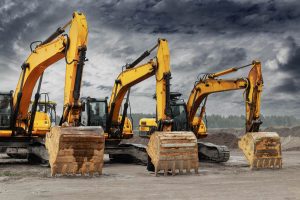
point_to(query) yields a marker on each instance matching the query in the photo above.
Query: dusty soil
(233, 180)
(290, 137)
(222, 138)
(284, 132)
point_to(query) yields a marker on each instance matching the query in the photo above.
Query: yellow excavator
(71, 150)
(45, 117)
(167, 149)
(262, 149)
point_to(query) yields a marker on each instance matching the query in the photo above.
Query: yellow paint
(44, 56)
(5, 133)
(42, 123)
(130, 77)
(262, 149)
(146, 125)
(198, 127)
(127, 128)
(213, 85)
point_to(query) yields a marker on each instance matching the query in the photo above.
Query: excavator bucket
(262, 149)
(75, 150)
(173, 151)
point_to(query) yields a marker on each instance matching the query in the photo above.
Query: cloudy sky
(204, 36)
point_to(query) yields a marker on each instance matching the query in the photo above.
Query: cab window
(5, 110)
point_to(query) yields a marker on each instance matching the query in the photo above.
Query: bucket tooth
(75, 150)
(174, 152)
(262, 150)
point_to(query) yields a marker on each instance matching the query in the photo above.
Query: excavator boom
(73, 149)
(167, 149)
(262, 149)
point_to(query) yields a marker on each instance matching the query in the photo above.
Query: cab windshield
(97, 113)
(178, 110)
(179, 117)
(5, 110)
(46, 107)
(49, 108)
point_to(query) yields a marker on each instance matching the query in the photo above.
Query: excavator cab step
(262, 150)
(173, 151)
(75, 150)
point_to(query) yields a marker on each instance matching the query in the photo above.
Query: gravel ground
(233, 180)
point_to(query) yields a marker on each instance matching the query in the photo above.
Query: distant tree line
(233, 121)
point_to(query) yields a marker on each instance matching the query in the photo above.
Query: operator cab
(46, 106)
(178, 112)
(5, 110)
(94, 112)
(49, 108)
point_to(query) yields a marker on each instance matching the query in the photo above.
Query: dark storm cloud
(231, 57)
(204, 36)
(201, 62)
(122, 52)
(105, 87)
(138, 93)
(20, 19)
(291, 84)
(86, 84)
(290, 106)
(193, 16)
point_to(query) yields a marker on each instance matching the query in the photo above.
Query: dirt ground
(233, 180)
(290, 137)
